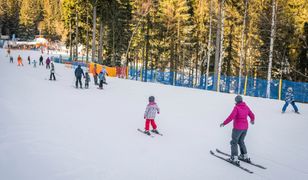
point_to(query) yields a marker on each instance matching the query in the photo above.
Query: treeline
(259, 38)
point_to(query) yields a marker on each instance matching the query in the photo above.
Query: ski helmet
(151, 99)
(290, 89)
(238, 99)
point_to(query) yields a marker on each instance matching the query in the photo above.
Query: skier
(78, 74)
(34, 63)
(47, 63)
(102, 78)
(8, 52)
(289, 100)
(52, 72)
(11, 59)
(149, 115)
(41, 61)
(87, 80)
(19, 60)
(240, 127)
(29, 61)
(95, 74)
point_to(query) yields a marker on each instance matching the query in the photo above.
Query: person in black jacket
(52, 72)
(78, 74)
(41, 61)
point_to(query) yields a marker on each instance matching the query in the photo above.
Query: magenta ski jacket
(239, 116)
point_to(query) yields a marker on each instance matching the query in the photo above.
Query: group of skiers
(238, 115)
(101, 77)
(49, 64)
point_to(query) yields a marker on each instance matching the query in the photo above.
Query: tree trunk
(71, 44)
(217, 47)
(242, 48)
(87, 39)
(221, 51)
(209, 48)
(269, 73)
(147, 47)
(77, 32)
(101, 34)
(94, 32)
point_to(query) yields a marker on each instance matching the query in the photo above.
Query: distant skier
(29, 60)
(102, 78)
(87, 80)
(52, 72)
(48, 63)
(41, 61)
(34, 63)
(289, 100)
(95, 74)
(19, 60)
(240, 127)
(149, 115)
(8, 52)
(78, 74)
(11, 59)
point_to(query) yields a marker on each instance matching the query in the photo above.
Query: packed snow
(50, 130)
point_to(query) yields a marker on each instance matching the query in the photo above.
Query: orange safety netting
(112, 71)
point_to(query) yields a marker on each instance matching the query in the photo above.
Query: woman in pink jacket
(240, 127)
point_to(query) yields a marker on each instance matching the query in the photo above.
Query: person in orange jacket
(19, 60)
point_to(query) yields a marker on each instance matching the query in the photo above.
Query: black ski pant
(86, 84)
(52, 75)
(41, 63)
(78, 79)
(95, 79)
(238, 137)
(101, 82)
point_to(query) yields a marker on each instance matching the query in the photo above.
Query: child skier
(29, 61)
(149, 115)
(289, 100)
(102, 78)
(52, 72)
(48, 63)
(34, 63)
(87, 80)
(19, 60)
(240, 127)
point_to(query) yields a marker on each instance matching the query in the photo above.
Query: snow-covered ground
(52, 131)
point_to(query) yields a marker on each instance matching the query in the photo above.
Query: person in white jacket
(149, 115)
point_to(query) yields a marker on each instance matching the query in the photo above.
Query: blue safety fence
(228, 84)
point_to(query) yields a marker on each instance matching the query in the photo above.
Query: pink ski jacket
(239, 116)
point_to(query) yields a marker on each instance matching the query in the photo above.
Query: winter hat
(290, 89)
(79, 66)
(238, 99)
(151, 99)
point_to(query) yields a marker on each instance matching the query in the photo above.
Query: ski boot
(155, 131)
(147, 133)
(234, 160)
(297, 112)
(244, 157)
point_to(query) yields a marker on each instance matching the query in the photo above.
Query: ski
(145, 133)
(251, 163)
(158, 133)
(227, 160)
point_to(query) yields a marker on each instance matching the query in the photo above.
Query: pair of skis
(151, 135)
(229, 161)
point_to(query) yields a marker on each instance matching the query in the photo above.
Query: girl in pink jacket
(149, 115)
(240, 127)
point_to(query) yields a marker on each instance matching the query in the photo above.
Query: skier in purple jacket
(240, 127)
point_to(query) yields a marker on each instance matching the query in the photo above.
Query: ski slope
(52, 131)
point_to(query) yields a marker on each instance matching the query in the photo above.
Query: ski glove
(252, 122)
(222, 125)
